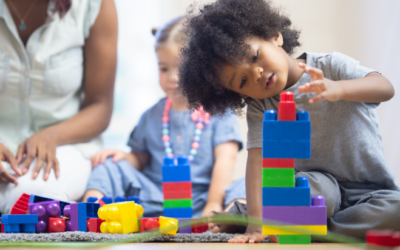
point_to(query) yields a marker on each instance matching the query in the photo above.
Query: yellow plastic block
(120, 218)
(168, 225)
(285, 230)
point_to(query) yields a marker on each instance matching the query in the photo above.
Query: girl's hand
(42, 146)
(215, 207)
(323, 87)
(253, 235)
(101, 156)
(6, 155)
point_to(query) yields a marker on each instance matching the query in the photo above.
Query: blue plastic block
(176, 173)
(286, 130)
(12, 228)
(298, 196)
(136, 199)
(37, 198)
(79, 209)
(298, 149)
(91, 209)
(186, 212)
(19, 219)
(119, 199)
(92, 199)
(28, 228)
(107, 200)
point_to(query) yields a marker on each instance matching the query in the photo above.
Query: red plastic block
(385, 238)
(287, 107)
(2, 228)
(21, 206)
(56, 225)
(102, 203)
(182, 194)
(199, 228)
(93, 225)
(278, 163)
(177, 186)
(148, 224)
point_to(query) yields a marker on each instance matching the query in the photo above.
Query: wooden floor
(209, 246)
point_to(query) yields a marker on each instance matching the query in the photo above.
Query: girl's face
(264, 75)
(168, 65)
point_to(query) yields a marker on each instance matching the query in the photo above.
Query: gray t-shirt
(345, 136)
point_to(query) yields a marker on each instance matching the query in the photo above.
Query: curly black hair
(216, 37)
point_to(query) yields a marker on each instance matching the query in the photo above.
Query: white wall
(367, 30)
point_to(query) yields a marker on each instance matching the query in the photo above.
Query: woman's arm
(225, 158)
(100, 53)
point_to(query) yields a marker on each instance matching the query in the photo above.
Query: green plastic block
(278, 182)
(278, 172)
(178, 203)
(294, 239)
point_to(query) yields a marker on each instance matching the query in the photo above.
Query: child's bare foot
(252, 235)
(216, 227)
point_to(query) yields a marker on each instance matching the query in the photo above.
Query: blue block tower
(287, 136)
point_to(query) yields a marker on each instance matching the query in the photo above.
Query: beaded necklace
(198, 116)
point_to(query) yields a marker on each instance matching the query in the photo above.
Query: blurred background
(367, 30)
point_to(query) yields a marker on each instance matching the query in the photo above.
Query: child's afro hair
(216, 37)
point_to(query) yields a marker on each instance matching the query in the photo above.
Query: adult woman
(57, 70)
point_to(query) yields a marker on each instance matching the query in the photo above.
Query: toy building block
(93, 225)
(56, 225)
(120, 217)
(278, 182)
(298, 215)
(168, 225)
(286, 196)
(136, 199)
(199, 227)
(107, 200)
(16, 223)
(79, 213)
(2, 228)
(177, 186)
(299, 129)
(37, 199)
(384, 238)
(300, 149)
(44, 210)
(287, 107)
(68, 225)
(278, 172)
(91, 199)
(119, 199)
(181, 172)
(21, 206)
(182, 194)
(278, 163)
(294, 230)
(185, 212)
(178, 203)
(149, 224)
(184, 229)
(295, 239)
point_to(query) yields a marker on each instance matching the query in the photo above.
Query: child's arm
(137, 160)
(225, 157)
(373, 88)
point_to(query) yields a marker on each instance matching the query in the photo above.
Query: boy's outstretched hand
(101, 156)
(323, 87)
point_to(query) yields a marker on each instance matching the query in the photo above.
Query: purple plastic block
(67, 225)
(44, 210)
(296, 215)
(67, 211)
(318, 200)
(185, 230)
(74, 217)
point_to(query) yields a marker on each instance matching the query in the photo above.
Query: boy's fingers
(315, 86)
(319, 97)
(118, 157)
(313, 72)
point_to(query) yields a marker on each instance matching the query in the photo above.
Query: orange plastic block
(120, 217)
(148, 224)
(278, 163)
(168, 225)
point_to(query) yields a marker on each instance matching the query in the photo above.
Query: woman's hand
(101, 156)
(6, 155)
(42, 146)
(323, 87)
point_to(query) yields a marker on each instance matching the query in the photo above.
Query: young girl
(169, 128)
(239, 53)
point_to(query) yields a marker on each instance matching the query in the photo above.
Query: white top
(41, 84)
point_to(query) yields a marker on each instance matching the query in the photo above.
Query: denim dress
(114, 179)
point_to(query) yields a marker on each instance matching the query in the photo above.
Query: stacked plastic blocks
(287, 136)
(177, 188)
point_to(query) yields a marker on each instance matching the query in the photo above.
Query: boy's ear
(279, 39)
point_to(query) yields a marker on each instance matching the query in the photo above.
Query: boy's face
(264, 75)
